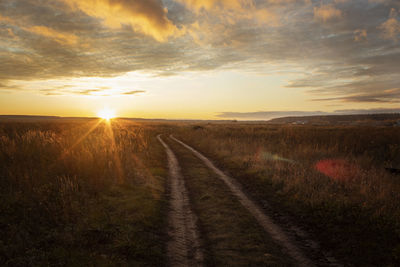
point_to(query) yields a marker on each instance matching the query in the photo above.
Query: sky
(199, 59)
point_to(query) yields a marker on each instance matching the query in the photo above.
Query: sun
(106, 114)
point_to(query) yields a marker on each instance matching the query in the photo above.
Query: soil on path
(184, 246)
(263, 219)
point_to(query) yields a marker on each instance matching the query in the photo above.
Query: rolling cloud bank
(341, 50)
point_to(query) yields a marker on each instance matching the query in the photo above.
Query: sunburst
(106, 114)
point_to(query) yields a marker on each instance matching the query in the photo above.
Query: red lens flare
(337, 169)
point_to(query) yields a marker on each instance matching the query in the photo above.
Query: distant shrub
(198, 127)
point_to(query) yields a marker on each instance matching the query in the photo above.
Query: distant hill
(24, 118)
(27, 117)
(362, 119)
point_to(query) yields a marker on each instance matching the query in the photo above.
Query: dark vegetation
(360, 119)
(84, 192)
(332, 180)
(231, 235)
(81, 192)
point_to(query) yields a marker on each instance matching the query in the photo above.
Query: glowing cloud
(62, 38)
(145, 16)
(360, 35)
(326, 13)
(212, 4)
(48, 32)
(232, 11)
(391, 27)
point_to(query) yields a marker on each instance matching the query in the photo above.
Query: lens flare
(338, 169)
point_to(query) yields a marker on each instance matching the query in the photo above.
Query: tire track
(274, 230)
(184, 246)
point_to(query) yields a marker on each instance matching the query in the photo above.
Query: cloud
(6, 19)
(326, 13)
(267, 115)
(88, 91)
(81, 87)
(284, 2)
(360, 35)
(50, 92)
(9, 88)
(368, 111)
(391, 27)
(145, 16)
(353, 59)
(59, 37)
(231, 12)
(237, 5)
(384, 96)
(217, 4)
(133, 92)
(101, 91)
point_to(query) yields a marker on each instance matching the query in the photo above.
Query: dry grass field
(84, 192)
(332, 180)
(81, 192)
(200, 133)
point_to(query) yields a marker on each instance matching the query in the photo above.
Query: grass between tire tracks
(232, 236)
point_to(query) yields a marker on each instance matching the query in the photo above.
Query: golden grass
(331, 177)
(63, 186)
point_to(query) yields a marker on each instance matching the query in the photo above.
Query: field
(332, 180)
(81, 192)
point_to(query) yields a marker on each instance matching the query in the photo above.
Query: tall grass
(68, 188)
(331, 178)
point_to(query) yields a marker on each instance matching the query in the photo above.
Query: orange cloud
(7, 20)
(62, 38)
(391, 27)
(230, 4)
(288, 1)
(211, 4)
(145, 16)
(232, 11)
(326, 13)
(360, 35)
(10, 32)
(226, 14)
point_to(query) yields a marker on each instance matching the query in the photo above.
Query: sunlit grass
(335, 178)
(64, 184)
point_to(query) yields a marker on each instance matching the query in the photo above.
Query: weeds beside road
(84, 191)
(331, 179)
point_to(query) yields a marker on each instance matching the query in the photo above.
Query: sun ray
(117, 160)
(77, 142)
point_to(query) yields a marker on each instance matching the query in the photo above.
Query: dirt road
(273, 229)
(184, 247)
(230, 232)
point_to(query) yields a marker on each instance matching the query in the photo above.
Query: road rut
(274, 230)
(184, 247)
